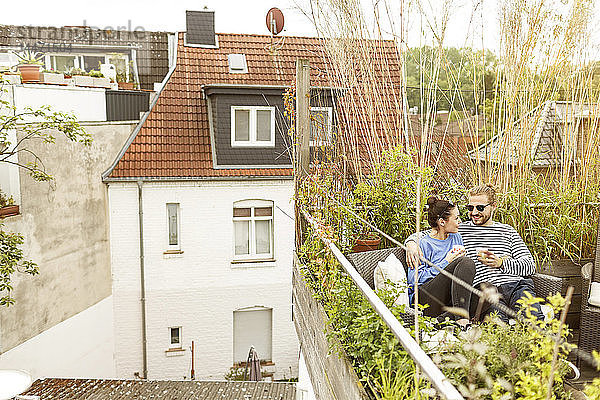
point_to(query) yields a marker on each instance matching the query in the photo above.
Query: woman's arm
(413, 252)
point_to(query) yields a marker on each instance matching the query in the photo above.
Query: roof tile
(177, 127)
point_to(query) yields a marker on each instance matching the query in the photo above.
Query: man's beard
(482, 220)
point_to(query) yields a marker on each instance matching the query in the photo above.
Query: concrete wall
(331, 374)
(199, 289)
(65, 225)
(79, 347)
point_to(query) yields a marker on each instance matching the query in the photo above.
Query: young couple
(481, 252)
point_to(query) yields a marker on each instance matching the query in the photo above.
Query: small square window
(252, 126)
(175, 337)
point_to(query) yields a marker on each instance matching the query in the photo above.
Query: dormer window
(252, 126)
(237, 64)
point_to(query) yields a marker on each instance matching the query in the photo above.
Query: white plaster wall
(88, 104)
(199, 289)
(304, 388)
(79, 347)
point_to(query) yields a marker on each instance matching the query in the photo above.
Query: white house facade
(196, 287)
(201, 211)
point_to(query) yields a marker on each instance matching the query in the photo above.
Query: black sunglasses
(479, 207)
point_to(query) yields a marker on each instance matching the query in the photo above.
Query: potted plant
(366, 241)
(7, 206)
(29, 66)
(81, 78)
(98, 79)
(53, 77)
(123, 82)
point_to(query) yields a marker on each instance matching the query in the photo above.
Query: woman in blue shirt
(443, 247)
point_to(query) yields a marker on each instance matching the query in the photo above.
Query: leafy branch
(32, 125)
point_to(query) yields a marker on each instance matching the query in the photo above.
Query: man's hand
(413, 254)
(488, 258)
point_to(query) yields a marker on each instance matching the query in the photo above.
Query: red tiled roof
(175, 139)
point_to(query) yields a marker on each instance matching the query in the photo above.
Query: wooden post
(303, 116)
(302, 139)
(193, 373)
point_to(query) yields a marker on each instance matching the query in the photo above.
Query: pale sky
(231, 16)
(248, 16)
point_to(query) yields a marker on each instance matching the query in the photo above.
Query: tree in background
(465, 80)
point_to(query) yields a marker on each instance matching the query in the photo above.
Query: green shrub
(555, 224)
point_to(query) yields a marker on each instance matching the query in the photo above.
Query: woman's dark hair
(436, 209)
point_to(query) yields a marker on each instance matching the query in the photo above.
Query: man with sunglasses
(501, 257)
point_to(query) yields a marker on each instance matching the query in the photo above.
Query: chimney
(200, 28)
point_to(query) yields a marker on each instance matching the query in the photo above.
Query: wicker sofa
(589, 334)
(366, 262)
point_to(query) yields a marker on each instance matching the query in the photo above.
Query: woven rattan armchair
(366, 262)
(589, 335)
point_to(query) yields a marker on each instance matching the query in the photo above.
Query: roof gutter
(137, 129)
(199, 178)
(236, 86)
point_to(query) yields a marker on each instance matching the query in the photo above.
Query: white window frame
(168, 242)
(327, 140)
(253, 204)
(79, 61)
(252, 142)
(176, 345)
(51, 64)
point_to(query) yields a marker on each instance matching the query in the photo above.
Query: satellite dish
(13, 382)
(274, 20)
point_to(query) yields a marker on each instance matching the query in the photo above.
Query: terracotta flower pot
(364, 244)
(29, 73)
(8, 211)
(126, 85)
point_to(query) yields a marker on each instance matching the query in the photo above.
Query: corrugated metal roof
(97, 389)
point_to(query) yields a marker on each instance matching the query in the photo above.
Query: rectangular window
(252, 126)
(93, 62)
(175, 337)
(242, 125)
(252, 327)
(320, 125)
(87, 62)
(121, 63)
(63, 63)
(253, 229)
(173, 225)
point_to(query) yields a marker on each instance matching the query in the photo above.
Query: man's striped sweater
(501, 239)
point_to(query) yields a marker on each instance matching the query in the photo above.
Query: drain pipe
(142, 281)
